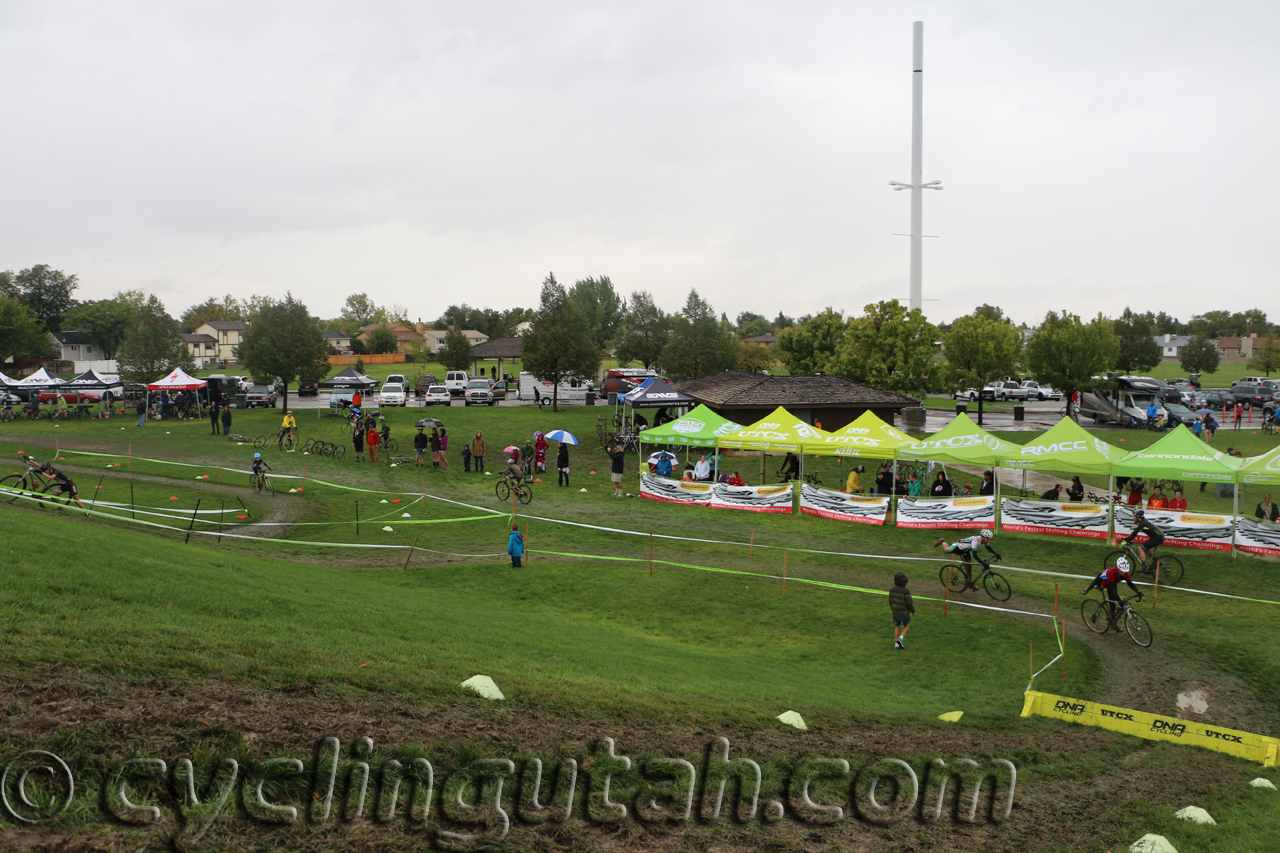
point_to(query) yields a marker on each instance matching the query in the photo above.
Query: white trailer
(572, 390)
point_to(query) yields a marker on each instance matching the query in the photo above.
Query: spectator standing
(164, 405)
(515, 545)
(619, 458)
(374, 440)
(901, 607)
(1266, 510)
(356, 400)
(1179, 503)
(988, 487)
(213, 417)
(1137, 488)
(357, 440)
(915, 485)
(1197, 427)
(419, 448)
(444, 449)
(854, 484)
(435, 447)
(540, 446)
(562, 464)
(226, 420)
(1075, 492)
(477, 452)
(1236, 415)
(1210, 427)
(142, 410)
(466, 458)
(942, 486)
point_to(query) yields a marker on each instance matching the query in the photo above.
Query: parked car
(1040, 392)
(51, 396)
(456, 381)
(969, 394)
(478, 393)
(393, 393)
(1250, 380)
(1004, 391)
(1218, 399)
(1178, 414)
(423, 382)
(437, 395)
(1257, 395)
(263, 396)
(309, 390)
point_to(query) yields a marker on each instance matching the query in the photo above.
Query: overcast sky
(1095, 154)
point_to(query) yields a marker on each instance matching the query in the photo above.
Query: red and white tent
(178, 380)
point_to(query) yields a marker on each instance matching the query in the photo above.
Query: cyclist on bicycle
(260, 467)
(65, 485)
(967, 549)
(1109, 581)
(1155, 537)
(515, 471)
(289, 425)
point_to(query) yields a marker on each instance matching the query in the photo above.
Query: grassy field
(121, 641)
(1221, 378)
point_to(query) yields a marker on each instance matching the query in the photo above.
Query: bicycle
(238, 438)
(6, 414)
(286, 441)
(15, 485)
(1094, 497)
(261, 442)
(1099, 617)
(53, 497)
(508, 486)
(262, 482)
(390, 445)
(993, 582)
(1170, 567)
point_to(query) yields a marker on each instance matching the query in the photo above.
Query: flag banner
(676, 491)
(1059, 519)
(946, 513)
(1257, 537)
(1203, 530)
(842, 507)
(754, 498)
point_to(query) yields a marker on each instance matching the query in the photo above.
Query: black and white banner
(1257, 537)
(1186, 529)
(754, 498)
(947, 513)
(1060, 519)
(842, 507)
(676, 491)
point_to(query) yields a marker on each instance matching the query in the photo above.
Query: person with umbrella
(661, 462)
(562, 464)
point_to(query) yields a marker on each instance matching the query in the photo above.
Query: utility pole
(917, 184)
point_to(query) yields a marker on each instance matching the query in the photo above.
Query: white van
(570, 390)
(393, 393)
(456, 381)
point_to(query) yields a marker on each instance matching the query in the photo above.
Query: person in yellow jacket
(289, 425)
(854, 484)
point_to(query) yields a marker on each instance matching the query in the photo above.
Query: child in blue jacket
(515, 546)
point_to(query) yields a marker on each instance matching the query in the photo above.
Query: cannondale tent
(1179, 456)
(961, 442)
(867, 437)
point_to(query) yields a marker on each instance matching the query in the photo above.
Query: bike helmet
(1123, 564)
(987, 534)
(45, 466)
(257, 456)
(1137, 513)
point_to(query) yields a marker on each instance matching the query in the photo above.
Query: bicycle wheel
(1139, 631)
(253, 483)
(51, 498)
(1170, 570)
(290, 443)
(14, 485)
(955, 574)
(310, 446)
(996, 586)
(524, 493)
(339, 451)
(391, 445)
(261, 442)
(502, 490)
(268, 486)
(1094, 613)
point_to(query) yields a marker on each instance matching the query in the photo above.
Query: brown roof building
(502, 349)
(830, 400)
(764, 340)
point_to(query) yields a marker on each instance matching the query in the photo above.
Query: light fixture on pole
(917, 182)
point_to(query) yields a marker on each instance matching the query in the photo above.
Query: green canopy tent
(867, 436)
(1262, 470)
(698, 428)
(779, 430)
(1181, 455)
(961, 442)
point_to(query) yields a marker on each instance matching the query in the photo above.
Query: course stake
(651, 554)
(193, 521)
(411, 547)
(784, 571)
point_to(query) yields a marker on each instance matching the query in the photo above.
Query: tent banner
(1052, 517)
(754, 498)
(946, 513)
(1202, 530)
(1257, 537)
(675, 491)
(842, 507)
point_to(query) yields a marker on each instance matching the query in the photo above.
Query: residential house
(337, 340)
(435, 338)
(763, 340)
(1171, 345)
(77, 346)
(203, 348)
(228, 334)
(409, 337)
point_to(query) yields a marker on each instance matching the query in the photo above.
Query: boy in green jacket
(902, 606)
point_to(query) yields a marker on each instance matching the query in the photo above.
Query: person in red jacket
(1179, 503)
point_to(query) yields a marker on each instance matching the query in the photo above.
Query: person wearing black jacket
(618, 458)
(901, 606)
(142, 410)
(562, 464)
(213, 418)
(1155, 536)
(942, 486)
(1075, 492)
(988, 486)
(1267, 511)
(226, 420)
(419, 448)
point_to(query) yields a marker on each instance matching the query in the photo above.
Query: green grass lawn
(1221, 378)
(597, 645)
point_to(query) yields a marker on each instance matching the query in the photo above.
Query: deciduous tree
(1265, 358)
(21, 334)
(560, 345)
(1068, 353)
(646, 329)
(212, 310)
(359, 310)
(455, 352)
(1200, 355)
(602, 307)
(107, 321)
(153, 346)
(381, 340)
(1138, 348)
(891, 348)
(44, 290)
(980, 349)
(699, 345)
(810, 347)
(284, 342)
(752, 355)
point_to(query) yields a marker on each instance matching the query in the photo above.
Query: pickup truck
(478, 393)
(1002, 391)
(260, 395)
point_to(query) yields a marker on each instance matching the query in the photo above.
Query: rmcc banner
(946, 513)
(1061, 519)
(838, 505)
(1257, 537)
(676, 491)
(1187, 529)
(754, 498)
